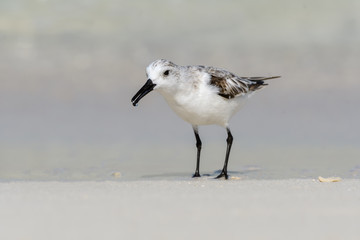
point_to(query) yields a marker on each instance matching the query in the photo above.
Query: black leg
(198, 146)
(229, 141)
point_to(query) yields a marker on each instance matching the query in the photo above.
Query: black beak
(148, 87)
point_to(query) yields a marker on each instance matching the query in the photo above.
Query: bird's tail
(258, 82)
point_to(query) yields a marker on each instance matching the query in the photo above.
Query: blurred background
(68, 70)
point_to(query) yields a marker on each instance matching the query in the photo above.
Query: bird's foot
(223, 174)
(196, 174)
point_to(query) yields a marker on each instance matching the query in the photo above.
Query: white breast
(201, 105)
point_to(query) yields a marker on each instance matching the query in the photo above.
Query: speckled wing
(231, 86)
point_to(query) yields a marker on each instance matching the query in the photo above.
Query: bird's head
(161, 74)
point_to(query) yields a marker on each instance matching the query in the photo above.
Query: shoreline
(180, 209)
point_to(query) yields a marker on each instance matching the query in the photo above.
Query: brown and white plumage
(230, 85)
(200, 95)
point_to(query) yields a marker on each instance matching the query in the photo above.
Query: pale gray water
(69, 69)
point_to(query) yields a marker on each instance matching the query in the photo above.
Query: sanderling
(201, 96)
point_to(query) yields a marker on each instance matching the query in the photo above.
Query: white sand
(179, 209)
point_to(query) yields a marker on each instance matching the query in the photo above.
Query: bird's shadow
(186, 175)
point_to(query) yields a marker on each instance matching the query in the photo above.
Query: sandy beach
(180, 209)
(79, 162)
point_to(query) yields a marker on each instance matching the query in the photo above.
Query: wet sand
(180, 209)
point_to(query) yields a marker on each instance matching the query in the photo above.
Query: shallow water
(176, 162)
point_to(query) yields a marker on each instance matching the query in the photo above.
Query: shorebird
(200, 95)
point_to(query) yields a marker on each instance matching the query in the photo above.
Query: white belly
(206, 108)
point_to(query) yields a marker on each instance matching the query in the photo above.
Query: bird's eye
(166, 72)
